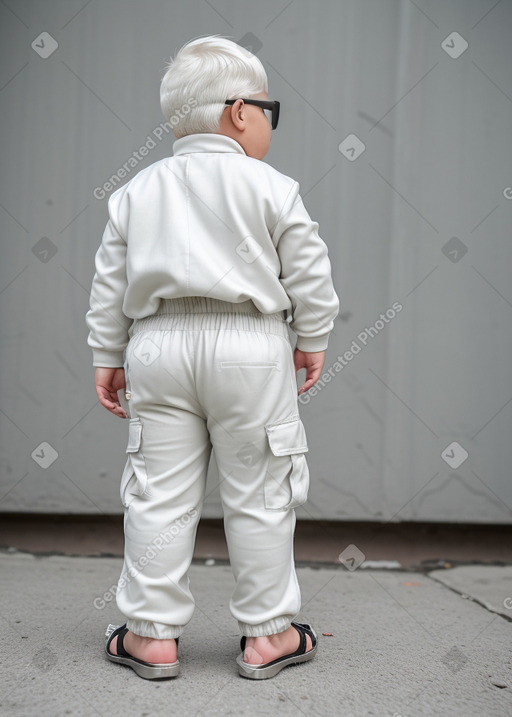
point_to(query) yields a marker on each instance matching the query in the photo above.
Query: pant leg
(247, 386)
(162, 487)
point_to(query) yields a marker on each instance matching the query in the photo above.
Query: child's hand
(108, 382)
(313, 362)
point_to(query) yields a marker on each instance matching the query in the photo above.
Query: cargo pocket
(134, 479)
(287, 478)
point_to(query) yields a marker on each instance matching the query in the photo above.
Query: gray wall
(421, 217)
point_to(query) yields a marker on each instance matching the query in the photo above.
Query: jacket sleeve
(305, 274)
(108, 326)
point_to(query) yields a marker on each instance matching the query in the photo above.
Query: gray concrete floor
(403, 643)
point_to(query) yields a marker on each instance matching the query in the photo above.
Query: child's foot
(260, 650)
(147, 648)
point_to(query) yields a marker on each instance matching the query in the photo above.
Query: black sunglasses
(272, 105)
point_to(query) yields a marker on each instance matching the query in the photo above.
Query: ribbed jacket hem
(313, 344)
(107, 359)
(204, 304)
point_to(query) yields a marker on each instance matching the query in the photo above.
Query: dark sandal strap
(120, 649)
(302, 643)
(308, 631)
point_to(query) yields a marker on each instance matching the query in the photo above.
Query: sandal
(147, 670)
(269, 669)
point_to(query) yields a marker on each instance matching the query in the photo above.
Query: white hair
(204, 73)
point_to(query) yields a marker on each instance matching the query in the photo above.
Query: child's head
(203, 75)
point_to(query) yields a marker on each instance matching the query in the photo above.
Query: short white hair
(204, 73)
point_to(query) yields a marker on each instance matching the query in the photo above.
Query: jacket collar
(206, 142)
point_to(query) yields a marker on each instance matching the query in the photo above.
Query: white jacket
(209, 221)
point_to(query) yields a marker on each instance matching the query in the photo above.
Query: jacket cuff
(108, 359)
(312, 343)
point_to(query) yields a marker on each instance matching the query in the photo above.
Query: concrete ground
(395, 642)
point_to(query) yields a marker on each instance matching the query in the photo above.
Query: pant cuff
(271, 627)
(156, 630)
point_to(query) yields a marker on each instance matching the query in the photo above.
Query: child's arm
(305, 275)
(108, 325)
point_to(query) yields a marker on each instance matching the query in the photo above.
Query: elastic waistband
(202, 312)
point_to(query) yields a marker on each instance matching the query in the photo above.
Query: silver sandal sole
(146, 670)
(263, 672)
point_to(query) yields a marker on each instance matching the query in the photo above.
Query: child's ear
(238, 115)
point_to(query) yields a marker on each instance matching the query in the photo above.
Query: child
(203, 254)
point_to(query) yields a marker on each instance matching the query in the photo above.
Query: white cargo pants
(201, 374)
